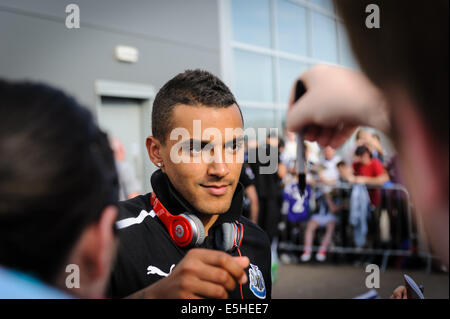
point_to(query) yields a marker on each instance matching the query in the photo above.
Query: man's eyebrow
(195, 142)
(192, 141)
(235, 140)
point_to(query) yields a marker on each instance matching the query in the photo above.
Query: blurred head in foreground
(58, 189)
(407, 58)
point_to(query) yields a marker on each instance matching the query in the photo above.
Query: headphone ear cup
(198, 231)
(225, 237)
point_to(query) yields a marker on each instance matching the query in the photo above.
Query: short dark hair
(360, 150)
(341, 163)
(57, 174)
(192, 87)
(410, 48)
(281, 142)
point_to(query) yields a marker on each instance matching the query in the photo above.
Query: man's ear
(153, 146)
(95, 252)
(106, 236)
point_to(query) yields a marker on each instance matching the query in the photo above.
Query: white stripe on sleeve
(127, 222)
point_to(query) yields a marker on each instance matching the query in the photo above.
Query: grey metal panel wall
(171, 36)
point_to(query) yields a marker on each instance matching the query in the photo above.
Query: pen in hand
(301, 160)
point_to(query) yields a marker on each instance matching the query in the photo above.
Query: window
(323, 38)
(253, 76)
(291, 28)
(289, 72)
(251, 22)
(271, 43)
(255, 117)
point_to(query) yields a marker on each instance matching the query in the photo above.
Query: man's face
(272, 141)
(208, 185)
(364, 136)
(363, 159)
(344, 171)
(328, 152)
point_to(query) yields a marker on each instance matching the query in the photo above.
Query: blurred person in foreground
(58, 191)
(397, 93)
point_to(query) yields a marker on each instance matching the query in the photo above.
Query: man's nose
(218, 167)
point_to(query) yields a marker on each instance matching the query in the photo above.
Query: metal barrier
(390, 190)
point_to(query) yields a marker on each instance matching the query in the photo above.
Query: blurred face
(118, 149)
(364, 136)
(363, 159)
(291, 136)
(328, 152)
(272, 141)
(205, 176)
(344, 171)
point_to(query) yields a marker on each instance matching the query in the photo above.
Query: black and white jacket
(147, 252)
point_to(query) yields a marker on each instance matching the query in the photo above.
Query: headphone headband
(188, 230)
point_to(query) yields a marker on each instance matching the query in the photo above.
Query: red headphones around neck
(188, 230)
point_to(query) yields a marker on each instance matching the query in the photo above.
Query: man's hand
(336, 102)
(202, 273)
(399, 293)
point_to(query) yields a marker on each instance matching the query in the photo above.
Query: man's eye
(196, 149)
(235, 146)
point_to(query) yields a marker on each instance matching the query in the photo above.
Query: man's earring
(159, 164)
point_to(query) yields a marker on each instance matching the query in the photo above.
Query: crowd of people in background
(351, 194)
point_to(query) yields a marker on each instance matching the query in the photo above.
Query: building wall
(171, 36)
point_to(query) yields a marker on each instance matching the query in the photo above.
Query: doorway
(124, 113)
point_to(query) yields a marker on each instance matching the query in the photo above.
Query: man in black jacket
(169, 238)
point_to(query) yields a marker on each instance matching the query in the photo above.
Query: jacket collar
(174, 202)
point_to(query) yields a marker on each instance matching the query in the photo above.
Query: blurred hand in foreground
(336, 102)
(399, 293)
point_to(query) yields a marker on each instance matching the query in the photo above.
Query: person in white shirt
(328, 175)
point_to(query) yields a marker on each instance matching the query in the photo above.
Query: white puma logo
(152, 270)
